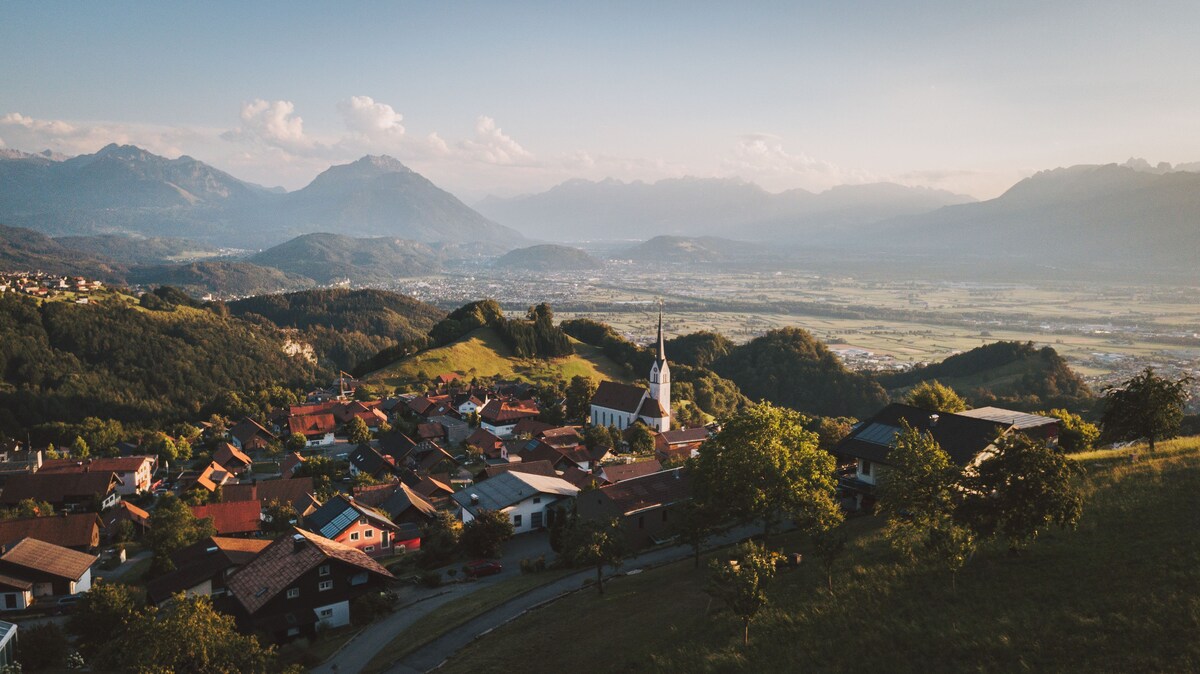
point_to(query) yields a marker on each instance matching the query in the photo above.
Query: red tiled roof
(228, 455)
(294, 491)
(232, 517)
(625, 471)
(504, 412)
(289, 464)
(312, 424)
(126, 510)
(120, 464)
(69, 531)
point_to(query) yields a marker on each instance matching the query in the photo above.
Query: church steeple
(660, 374)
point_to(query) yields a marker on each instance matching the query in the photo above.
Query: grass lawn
(482, 354)
(456, 613)
(1119, 594)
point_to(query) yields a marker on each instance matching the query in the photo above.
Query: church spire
(662, 349)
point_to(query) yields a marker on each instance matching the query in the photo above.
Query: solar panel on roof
(338, 523)
(878, 434)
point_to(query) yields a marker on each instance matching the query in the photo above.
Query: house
(204, 567)
(136, 472)
(527, 499)
(345, 520)
(399, 501)
(431, 431)
(212, 477)
(317, 429)
(559, 457)
(486, 443)
(456, 430)
(427, 455)
(446, 378)
(530, 427)
(80, 531)
(646, 505)
(232, 458)
(622, 405)
(248, 435)
(89, 491)
(680, 445)
(562, 436)
(365, 460)
(965, 438)
(500, 417)
(1034, 425)
(16, 594)
(51, 569)
(297, 491)
(300, 583)
(542, 467)
(232, 518)
(619, 472)
(123, 512)
(290, 464)
(469, 403)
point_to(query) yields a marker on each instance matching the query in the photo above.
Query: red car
(481, 568)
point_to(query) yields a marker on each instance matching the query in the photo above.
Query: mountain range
(612, 209)
(125, 189)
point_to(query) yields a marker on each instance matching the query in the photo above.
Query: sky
(509, 98)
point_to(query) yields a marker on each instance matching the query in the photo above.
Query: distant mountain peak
(382, 162)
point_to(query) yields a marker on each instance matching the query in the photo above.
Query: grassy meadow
(482, 353)
(1121, 593)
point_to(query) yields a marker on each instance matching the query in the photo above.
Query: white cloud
(762, 158)
(274, 123)
(365, 116)
(493, 146)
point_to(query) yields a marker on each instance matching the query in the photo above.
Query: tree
(79, 448)
(1022, 488)
(324, 471)
(579, 399)
(832, 430)
(103, 614)
(279, 517)
(695, 524)
(44, 646)
(828, 547)
(484, 535)
(917, 495)
(936, 397)
(764, 464)
(595, 543)
(551, 397)
(188, 635)
(615, 438)
(27, 508)
(595, 437)
(172, 527)
(439, 540)
(1147, 407)
(641, 439)
(1074, 434)
(357, 431)
(296, 442)
(741, 582)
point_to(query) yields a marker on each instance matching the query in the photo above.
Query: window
(358, 578)
(324, 570)
(354, 535)
(865, 466)
(537, 499)
(516, 520)
(293, 631)
(325, 613)
(369, 548)
(362, 520)
(293, 592)
(325, 585)
(369, 533)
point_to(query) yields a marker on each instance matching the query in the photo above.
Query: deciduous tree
(357, 431)
(579, 399)
(936, 397)
(172, 527)
(1147, 407)
(1074, 434)
(101, 619)
(641, 439)
(595, 543)
(484, 535)
(741, 582)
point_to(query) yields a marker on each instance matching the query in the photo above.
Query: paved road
(436, 652)
(420, 602)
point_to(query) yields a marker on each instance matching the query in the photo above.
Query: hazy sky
(507, 97)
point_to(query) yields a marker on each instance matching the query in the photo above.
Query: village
(329, 521)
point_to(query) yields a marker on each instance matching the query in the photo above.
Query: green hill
(482, 353)
(547, 257)
(221, 277)
(1014, 374)
(327, 258)
(1119, 594)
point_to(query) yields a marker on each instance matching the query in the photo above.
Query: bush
(43, 647)
(431, 579)
(371, 606)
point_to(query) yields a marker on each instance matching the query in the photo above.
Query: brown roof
(57, 487)
(214, 475)
(48, 558)
(625, 471)
(228, 455)
(125, 510)
(294, 491)
(617, 396)
(315, 408)
(312, 424)
(542, 467)
(649, 491)
(652, 409)
(430, 430)
(246, 429)
(70, 531)
(289, 464)
(288, 558)
(564, 436)
(204, 560)
(684, 435)
(504, 411)
(232, 517)
(484, 440)
(579, 477)
(531, 426)
(120, 464)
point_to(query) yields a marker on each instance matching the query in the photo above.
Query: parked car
(482, 567)
(66, 604)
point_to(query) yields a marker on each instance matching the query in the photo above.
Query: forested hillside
(1013, 374)
(63, 362)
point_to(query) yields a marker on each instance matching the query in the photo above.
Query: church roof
(617, 396)
(652, 409)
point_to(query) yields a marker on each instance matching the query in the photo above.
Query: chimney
(297, 542)
(933, 419)
(474, 499)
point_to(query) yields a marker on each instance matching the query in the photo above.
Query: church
(621, 405)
